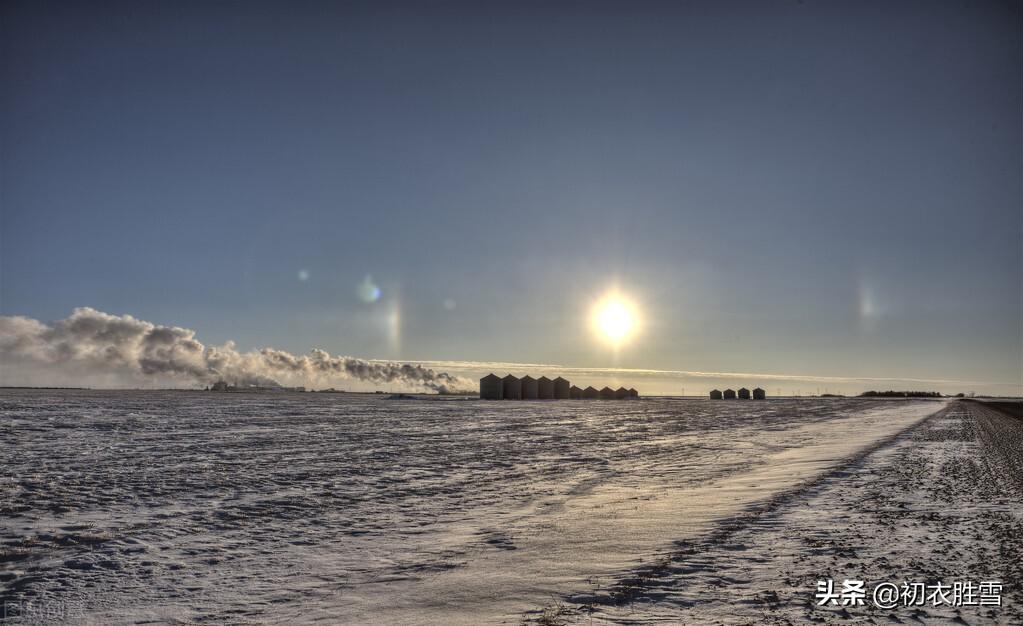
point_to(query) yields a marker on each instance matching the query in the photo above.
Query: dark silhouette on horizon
(492, 387)
(743, 394)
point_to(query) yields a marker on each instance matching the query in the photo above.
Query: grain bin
(512, 388)
(545, 388)
(561, 389)
(528, 387)
(491, 387)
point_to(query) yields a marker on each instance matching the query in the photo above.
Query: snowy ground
(128, 507)
(942, 503)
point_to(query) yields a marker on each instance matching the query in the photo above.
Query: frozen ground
(134, 507)
(942, 503)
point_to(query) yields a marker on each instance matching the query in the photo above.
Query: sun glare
(614, 319)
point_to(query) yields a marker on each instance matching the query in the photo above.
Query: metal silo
(561, 389)
(528, 387)
(545, 388)
(512, 387)
(491, 388)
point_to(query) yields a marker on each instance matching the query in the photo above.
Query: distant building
(744, 394)
(729, 394)
(621, 393)
(529, 391)
(491, 387)
(512, 388)
(561, 389)
(715, 394)
(219, 386)
(758, 394)
(633, 393)
(545, 388)
(528, 388)
(607, 393)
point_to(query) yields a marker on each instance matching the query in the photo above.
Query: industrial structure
(511, 387)
(562, 389)
(491, 387)
(529, 388)
(743, 394)
(545, 388)
(221, 385)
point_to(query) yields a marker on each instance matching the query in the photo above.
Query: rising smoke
(92, 348)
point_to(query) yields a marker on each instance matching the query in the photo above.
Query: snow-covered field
(940, 504)
(126, 507)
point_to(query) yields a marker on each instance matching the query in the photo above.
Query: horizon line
(483, 365)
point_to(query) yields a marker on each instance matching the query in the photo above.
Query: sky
(784, 189)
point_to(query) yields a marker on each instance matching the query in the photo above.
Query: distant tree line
(900, 394)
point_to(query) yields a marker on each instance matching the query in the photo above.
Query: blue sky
(795, 188)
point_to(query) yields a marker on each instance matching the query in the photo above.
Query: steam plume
(92, 348)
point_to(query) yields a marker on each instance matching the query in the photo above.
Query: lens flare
(368, 291)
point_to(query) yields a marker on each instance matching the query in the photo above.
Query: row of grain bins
(743, 394)
(511, 387)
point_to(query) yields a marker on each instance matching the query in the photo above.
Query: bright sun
(614, 318)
